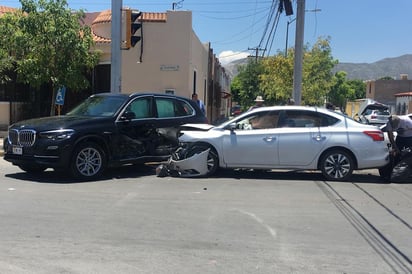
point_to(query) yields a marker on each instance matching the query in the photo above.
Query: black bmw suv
(105, 130)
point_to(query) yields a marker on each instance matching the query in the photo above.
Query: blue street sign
(61, 92)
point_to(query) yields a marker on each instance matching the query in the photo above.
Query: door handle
(319, 138)
(269, 139)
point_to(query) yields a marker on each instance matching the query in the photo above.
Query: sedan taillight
(376, 135)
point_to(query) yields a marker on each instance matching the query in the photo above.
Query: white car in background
(290, 137)
(372, 112)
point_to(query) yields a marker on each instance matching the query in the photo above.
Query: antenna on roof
(177, 5)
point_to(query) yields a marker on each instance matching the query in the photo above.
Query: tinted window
(327, 120)
(260, 120)
(141, 107)
(304, 118)
(167, 107)
(98, 106)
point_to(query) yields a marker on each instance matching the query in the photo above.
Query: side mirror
(232, 126)
(128, 115)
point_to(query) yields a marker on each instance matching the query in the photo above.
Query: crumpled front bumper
(193, 166)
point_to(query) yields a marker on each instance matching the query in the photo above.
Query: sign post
(61, 92)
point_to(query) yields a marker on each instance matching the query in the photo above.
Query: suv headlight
(59, 134)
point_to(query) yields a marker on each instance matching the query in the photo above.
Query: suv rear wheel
(88, 161)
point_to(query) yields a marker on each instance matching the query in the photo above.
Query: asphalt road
(237, 222)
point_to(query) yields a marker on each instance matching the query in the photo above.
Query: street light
(287, 35)
(287, 29)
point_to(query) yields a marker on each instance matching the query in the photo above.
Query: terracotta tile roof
(402, 94)
(106, 17)
(94, 18)
(89, 18)
(4, 9)
(154, 17)
(103, 17)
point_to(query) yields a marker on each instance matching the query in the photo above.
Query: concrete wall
(384, 91)
(4, 115)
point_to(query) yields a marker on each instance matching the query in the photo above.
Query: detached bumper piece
(194, 166)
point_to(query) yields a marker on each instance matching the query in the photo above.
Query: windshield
(98, 106)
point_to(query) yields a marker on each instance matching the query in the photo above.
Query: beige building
(169, 58)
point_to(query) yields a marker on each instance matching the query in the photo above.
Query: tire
(336, 165)
(402, 171)
(32, 169)
(212, 158)
(385, 172)
(88, 161)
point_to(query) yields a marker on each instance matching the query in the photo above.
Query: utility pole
(257, 52)
(116, 56)
(297, 72)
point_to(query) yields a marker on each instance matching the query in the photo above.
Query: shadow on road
(361, 177)
(57, 177)
(141, 171)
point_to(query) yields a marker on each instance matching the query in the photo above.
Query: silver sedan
(290, 137)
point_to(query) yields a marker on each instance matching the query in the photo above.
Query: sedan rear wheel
(336, 165)
(88, 162)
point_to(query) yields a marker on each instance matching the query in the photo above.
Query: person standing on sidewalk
(199, 103)
(258, 103)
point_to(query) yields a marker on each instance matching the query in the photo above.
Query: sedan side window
(261, 120)
(299, 118)
(304, 118)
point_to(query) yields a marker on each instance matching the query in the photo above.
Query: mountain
(392, 67)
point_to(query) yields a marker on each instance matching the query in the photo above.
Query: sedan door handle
(269, 139)
(319, 138)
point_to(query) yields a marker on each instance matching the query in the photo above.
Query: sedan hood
(201, 127)
(55, 122)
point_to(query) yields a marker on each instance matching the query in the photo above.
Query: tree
(274, 77)
(245, 86)
(341, 91)
(52, 47)
(8, 27)
(386, 78)
(277, 78)
(317, 73)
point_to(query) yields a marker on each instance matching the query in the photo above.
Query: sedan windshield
(98, 106)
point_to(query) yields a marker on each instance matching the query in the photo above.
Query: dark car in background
(236, 110)
(105, 130)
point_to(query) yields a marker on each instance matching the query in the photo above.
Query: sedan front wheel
(212, 158)
(336, 165)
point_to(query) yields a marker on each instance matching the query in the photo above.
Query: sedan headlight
(59, 134)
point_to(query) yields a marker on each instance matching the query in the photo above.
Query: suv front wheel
(88, 161)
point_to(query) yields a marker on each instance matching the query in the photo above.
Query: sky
(360, 31)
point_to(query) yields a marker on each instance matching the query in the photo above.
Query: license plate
(17, 150)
